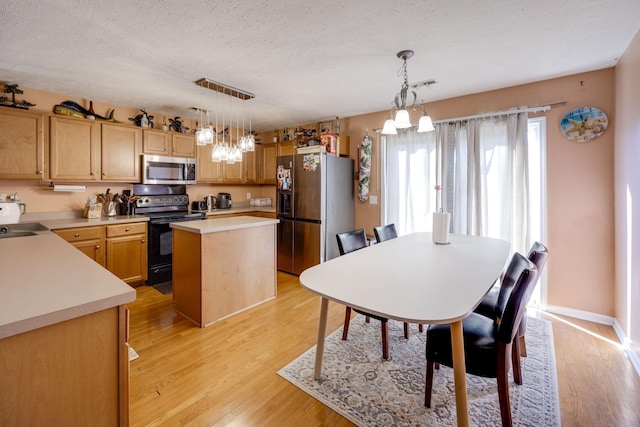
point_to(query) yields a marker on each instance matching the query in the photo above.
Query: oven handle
(167, 221)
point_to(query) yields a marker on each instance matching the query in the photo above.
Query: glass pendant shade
(251, 143)
(207, 132)
(216, 154)
(425, 124)
(200, 137)
(389, 127)
(402, 119)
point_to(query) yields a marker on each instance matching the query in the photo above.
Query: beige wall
(40, 198)
(580, 179)
(579, 183)
(627, 194)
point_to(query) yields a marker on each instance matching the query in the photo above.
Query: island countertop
(45, 280)
(222, 224)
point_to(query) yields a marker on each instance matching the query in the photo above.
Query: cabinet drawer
(80, 233)
(126, 229)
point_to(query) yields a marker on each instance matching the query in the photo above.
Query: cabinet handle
(142, 241)
(92, 173)
(127, 229)
(97, 246)
(104, 174)
(77, 235)
(39, 172)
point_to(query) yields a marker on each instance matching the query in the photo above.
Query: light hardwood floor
(226, 375)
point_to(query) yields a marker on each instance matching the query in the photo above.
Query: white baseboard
(603, 320)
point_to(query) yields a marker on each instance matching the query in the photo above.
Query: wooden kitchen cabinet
(286, 148)
(89, 240)
(127, 251)
(267, 163)
(165, 143)
(121, 148)
(121, 248)
(85, 150)
(22, 144)
(220, 172)
(183, 145)
(250, 165)
(74, 149)
(71, 373)
(208, 171)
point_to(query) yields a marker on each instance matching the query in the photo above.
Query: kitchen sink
(10, 234)
(21, 229)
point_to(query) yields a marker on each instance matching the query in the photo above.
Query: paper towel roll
(441, 222)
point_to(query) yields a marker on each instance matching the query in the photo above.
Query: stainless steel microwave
(168, 170)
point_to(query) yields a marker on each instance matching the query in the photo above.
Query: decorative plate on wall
(584, 124)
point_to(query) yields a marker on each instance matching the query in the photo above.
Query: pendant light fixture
(402, 119)
(224, 149)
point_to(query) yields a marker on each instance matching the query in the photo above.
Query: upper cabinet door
(74, 149)
(156, 142)
(22, 144)
(183, 145)
(121, 148)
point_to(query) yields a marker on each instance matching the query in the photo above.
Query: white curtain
(483, 170)
(409, 178)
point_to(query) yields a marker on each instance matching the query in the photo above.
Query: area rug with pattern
(358, 384)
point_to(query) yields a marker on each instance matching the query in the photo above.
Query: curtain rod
(538, 109)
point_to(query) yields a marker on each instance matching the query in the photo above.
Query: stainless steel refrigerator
(314, 203)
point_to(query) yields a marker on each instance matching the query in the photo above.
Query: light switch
(248, 196)
(373, 200)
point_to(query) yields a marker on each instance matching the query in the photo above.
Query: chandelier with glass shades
(223, 149)
(402, 120)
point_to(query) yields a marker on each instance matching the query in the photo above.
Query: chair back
(385, 232)
(538, 255)
(351, 241)
(526, 274)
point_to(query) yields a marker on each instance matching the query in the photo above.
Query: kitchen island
(223, 266)
(64, 358)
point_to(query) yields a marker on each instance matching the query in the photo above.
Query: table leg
(459, 373)
(322, 330)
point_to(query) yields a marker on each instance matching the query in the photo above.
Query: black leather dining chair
(349, 242)
(538, 255)
(384, 233)
(487, 341)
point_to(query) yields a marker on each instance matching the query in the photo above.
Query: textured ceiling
(305, 61)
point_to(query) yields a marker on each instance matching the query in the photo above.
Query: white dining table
(412, 279)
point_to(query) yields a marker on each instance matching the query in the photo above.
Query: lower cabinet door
(127, 257)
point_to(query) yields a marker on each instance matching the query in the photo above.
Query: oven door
(160, 249)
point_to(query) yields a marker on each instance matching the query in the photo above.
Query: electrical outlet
(248, 196)
(373, 200)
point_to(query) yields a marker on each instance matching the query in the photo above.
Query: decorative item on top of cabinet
(73, 109)
(13, 90)
(142, 120)
(23, 136)
(177, 125)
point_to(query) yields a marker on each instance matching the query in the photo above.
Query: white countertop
(240, 209)
(45, 280)
(222, 224)
(58, 223)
